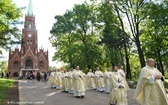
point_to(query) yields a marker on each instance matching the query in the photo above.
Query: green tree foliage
(9, 15)
(154, 38)
(138, 14)
(114, 37)
(111, 32)
(75, 37)
(3, 66)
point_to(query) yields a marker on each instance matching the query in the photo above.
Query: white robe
(70, 80)
(79, 87)
(51, 79)
(150, 91)
(65, 83)
(117, 95)
(90, 81)
(99, 81)
(107, 75)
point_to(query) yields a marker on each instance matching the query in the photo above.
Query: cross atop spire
(30, 9)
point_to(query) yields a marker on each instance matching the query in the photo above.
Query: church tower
(28, 58)
(29, 33)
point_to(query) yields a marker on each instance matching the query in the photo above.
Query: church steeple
(30, 9)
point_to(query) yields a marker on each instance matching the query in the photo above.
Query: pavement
(39, 93)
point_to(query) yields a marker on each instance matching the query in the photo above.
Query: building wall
(28, 50)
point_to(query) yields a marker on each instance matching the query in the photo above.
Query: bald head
(150, 62)
(72, 69)
(90, 70)
(108, 69)
(77, 67)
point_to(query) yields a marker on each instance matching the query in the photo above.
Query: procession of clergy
(149, 91)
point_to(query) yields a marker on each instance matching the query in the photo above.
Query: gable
(15, 57)
(29, 53)
(41, 57)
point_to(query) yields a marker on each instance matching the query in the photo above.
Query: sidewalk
(38, 93)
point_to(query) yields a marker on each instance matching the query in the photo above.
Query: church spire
(30, 9)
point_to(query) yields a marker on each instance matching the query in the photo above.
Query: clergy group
(149, 91)
(76, 82)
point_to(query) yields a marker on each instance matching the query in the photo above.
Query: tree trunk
(140, 52)
(128, 73)
(122, 59)
(160, 62)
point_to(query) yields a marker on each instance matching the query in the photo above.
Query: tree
(3, 66)
(75, 37)
(9, 15)
(154, 37)
(62, 37)
(135, 12)
(115, 37)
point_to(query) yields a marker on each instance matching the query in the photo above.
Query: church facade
(29, 57)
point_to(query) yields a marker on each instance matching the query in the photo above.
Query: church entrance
(28, 67)
(29, 64)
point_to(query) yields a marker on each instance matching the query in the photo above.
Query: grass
(5, 84)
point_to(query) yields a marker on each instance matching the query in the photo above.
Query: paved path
(38, 93)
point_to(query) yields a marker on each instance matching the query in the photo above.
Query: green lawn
(5, 84)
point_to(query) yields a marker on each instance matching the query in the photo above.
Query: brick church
(28, 57)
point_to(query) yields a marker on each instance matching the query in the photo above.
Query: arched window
(16, 65)
(41, 65)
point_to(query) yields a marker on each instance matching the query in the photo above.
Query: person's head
(65, 71)
(115, 68)
(98, 68)
(150, 62)
(90, 70)
(77, 67)
(119, 66)
(72, 69)
(108, 69)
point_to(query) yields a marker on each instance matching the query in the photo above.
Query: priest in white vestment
(90, 81)
(70, 80)
(121, 71)
(65, 83)
(107, 75)
(118, 94)
(51, 80)
(99, 77)
(79, 86)
(150, 89)
(58, 79)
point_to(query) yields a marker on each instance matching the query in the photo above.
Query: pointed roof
(30, 9)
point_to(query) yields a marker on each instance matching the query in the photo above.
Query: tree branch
(131, 26)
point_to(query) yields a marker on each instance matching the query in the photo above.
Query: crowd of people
(5, 75)
(76, 82)
(31, 75)
(149, 91)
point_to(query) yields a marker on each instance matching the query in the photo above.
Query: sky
(45, 11)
